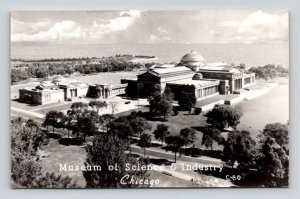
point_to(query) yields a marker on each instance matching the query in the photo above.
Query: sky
(149, 27)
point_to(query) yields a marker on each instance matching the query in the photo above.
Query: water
(269, 108)
(249, 54)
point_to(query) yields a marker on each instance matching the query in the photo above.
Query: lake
(249, 54)
(269, 108)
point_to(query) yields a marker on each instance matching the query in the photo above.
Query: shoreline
(247, 95)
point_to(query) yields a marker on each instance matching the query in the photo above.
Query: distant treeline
(269, 71)
(128, 56)
(43, 69)
(53, 59)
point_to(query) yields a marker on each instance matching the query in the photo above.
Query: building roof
(109, 86)
(173, 69)
(193, 56)
(220, 67)
(46, 85)
(155, 66)
(46, 91)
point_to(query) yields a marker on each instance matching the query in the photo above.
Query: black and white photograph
(110, 99)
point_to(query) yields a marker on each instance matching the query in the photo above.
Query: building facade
(192, 74)
(236, 78)
(105, 90)
(62, 89)
(44, 93)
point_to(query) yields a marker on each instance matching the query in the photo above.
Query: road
(159, 153)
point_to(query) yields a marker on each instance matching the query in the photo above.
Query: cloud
(162, 31)
(154, 38)
(150, 27)
(20, 26)
(59, 31)
(120, 23)
(258, 27)
(160, 36)
(66, 30)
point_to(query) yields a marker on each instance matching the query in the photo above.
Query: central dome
(58, 79)
(193, 56)
(197, 76)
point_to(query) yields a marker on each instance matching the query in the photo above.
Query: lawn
(61, 154)
(185, 120)
(178, 122)
(107, 77)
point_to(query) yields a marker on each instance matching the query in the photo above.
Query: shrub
(197, 110)
(55, 136)
(175, 111)
(71, 141)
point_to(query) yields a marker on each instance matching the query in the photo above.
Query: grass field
(178, 122)
(107, 77)
(61, 154)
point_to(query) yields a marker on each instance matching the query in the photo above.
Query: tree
(278, 131)
(26, 169)
(127, 126)
(266, 72)
(145, 142)
(161, 132)
(53, 181)
(187, 101)
(51, 119)
(189, 135)
(211, 134)
(168, 94)
(68, 121)
(24, 146)
(272, 164)
(32, 124)
(175, 143)
(239, 147)
(260, 72)
(105, 120)
(161, 104)
(139, 125)
(121, 127)
(79, 106)
(85, 124)
(241, 66)
(165, 106)
(105, 152)
(223, 116)
(281, 69)
(18, 75)
(60, 120)
(114, 107)
(97, 104)
(154, 101)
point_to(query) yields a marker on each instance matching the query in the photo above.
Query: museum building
(57, 90)
(62, 89)
(192, 74)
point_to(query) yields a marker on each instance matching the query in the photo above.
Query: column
(232, 85)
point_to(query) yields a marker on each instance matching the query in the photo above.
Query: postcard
(149, 99)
